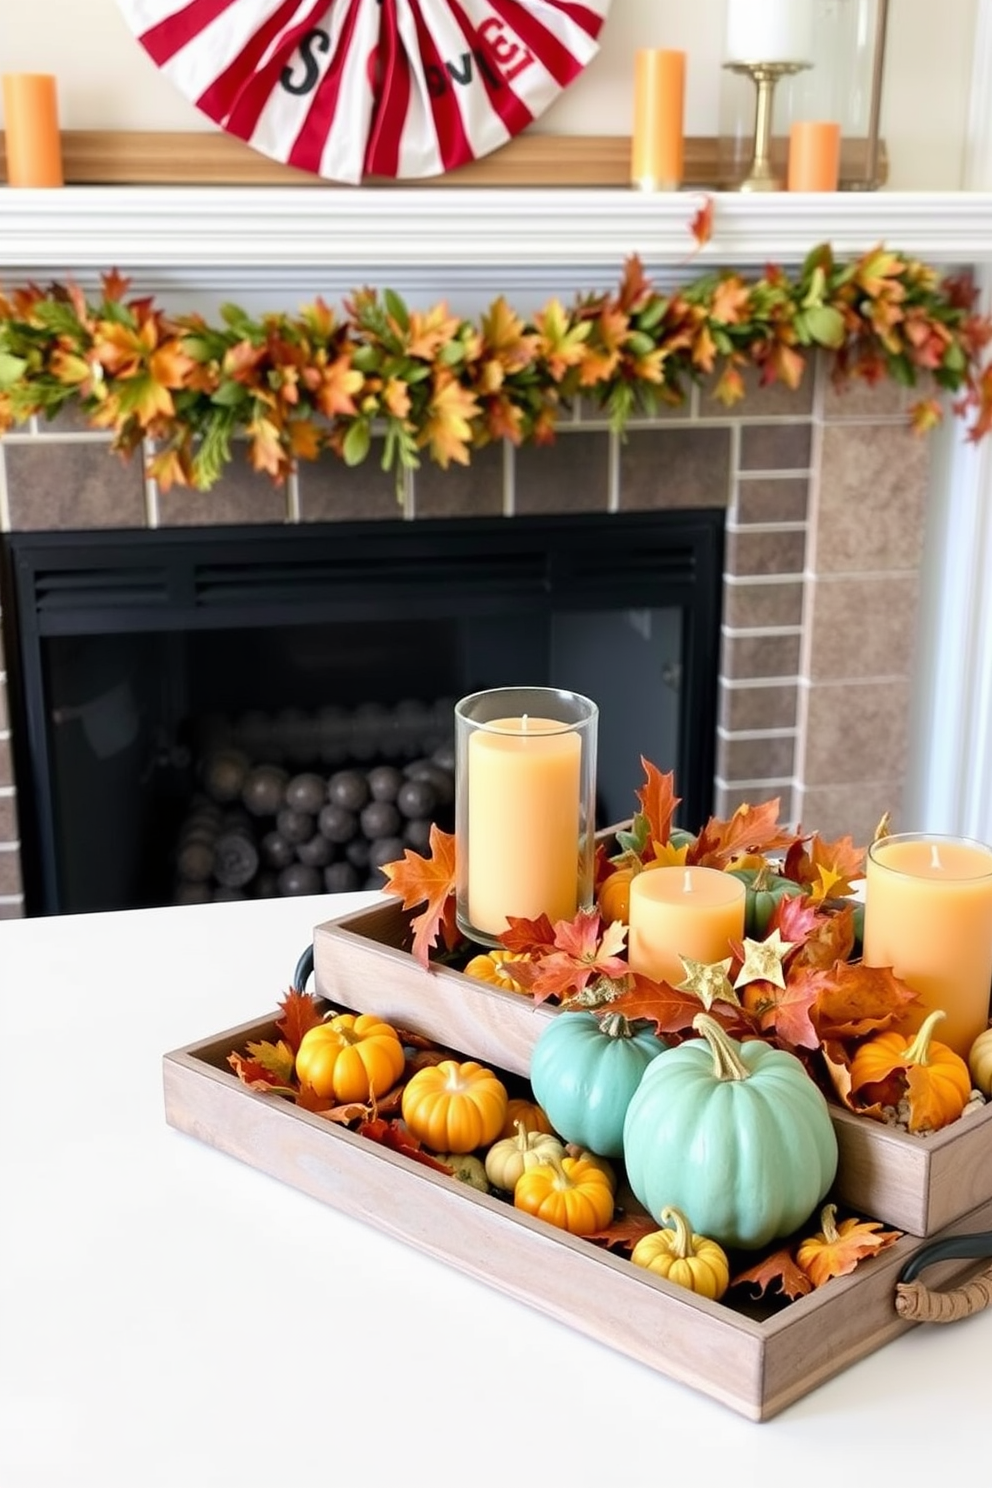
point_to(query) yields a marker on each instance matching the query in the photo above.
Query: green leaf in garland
(12, 368)
(356, 442)
(825, 325)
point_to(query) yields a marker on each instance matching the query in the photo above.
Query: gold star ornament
(763, 960)
(710, 983)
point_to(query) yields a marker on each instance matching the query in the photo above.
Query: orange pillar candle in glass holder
(814, 155)
(525, 806)
(928, 915)
(676, 912)
(658, 145)
(31, 129)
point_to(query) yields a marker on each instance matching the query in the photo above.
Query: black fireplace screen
(208, 713)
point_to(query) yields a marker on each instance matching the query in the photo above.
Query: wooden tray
(754, 1364)
(917, 1184)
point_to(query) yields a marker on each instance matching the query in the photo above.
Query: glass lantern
(840, 80)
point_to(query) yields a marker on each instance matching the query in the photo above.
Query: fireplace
(834, 549)
(145, 660)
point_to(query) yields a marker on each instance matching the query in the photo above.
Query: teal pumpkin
(584, 1070)
(736, 1136)
(764, 891)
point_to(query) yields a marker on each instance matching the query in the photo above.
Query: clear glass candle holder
(525, 807)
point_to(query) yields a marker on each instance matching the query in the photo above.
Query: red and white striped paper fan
(349, 88)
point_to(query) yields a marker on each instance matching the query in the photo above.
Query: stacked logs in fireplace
(295, 803)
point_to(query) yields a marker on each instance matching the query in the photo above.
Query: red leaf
(528, 937)
(394, 1134)
(416, 880)
(579, 953)
(701, 225)
(786, 1009)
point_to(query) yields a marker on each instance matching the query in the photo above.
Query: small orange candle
(524, 807)
(31, 129)
(814, 156)
(657, 146)
(928, 915)
(675, 912)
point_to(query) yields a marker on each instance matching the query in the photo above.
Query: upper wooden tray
(918, 1184)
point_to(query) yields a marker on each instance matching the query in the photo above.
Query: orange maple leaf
(257, 1076)
(300, 1012)
(334, 386)
(777, 1272)
(635, 287)
(658, 801)
(751, 829)
(417, 879)
(786, 1009)
(837, 1248)
(528, 937)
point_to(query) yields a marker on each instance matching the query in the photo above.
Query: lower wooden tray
(917, 1184)
(754, 1364)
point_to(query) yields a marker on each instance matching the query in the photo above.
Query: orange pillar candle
(525, 807)
(928, 915)
(31, 129)
(523, 822)
(814, 156)
(657, 146)
(675, 912)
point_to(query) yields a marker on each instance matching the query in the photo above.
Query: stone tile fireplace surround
(826, 500)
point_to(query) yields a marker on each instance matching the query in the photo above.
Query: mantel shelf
(274, 227)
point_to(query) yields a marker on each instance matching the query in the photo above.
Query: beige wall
(107, 82)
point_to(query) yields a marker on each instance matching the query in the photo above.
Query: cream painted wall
(107, 82)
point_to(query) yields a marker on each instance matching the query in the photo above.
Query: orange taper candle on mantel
(675, 912)
(658, 145)
(31, 129)
(928, 915)
(814, 155)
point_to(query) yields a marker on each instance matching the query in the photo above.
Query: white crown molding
(261, 233)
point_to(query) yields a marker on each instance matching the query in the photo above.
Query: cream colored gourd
(511, 1157)
(980, 1062)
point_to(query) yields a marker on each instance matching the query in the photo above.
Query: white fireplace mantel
(550, 240)
(277, 247)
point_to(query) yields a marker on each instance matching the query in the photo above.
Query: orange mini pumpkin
(455, 1107)
(936, 1080)
(496, 967)
(350, 1057)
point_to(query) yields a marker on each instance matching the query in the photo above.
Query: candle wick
(935, 856)
(523, 724)
(687, 882)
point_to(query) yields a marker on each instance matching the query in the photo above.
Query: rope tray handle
(918, 1303)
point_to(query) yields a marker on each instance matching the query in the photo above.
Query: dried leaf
(580, 952)
(658, 801)
(751, 829)
(278, 1060)
(528, 937)
(256, 1076)
(701, 225)
(670, 1010)
(837, 1248)
(416, 880)
(854, 1000)
(777, 1272)
(300, 1012)
(786, 1010)
(398, 1138)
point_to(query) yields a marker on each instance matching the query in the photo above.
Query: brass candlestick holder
(765, 76)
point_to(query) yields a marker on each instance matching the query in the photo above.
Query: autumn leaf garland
(431, 383)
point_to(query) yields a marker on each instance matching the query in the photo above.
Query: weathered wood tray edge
(915, 1184)
(756, 1368)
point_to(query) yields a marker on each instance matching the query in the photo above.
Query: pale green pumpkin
(584, 1070)
(736, 1136)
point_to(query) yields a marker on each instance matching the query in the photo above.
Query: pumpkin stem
(760, 880)
(919, 1050)
(828, 1225)
(615, 1025)
(681, 1246)
(522, 1139)
(727, 1063)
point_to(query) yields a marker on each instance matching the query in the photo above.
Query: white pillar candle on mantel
(769, 30)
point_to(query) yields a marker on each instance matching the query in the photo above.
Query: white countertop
(171, 1318)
